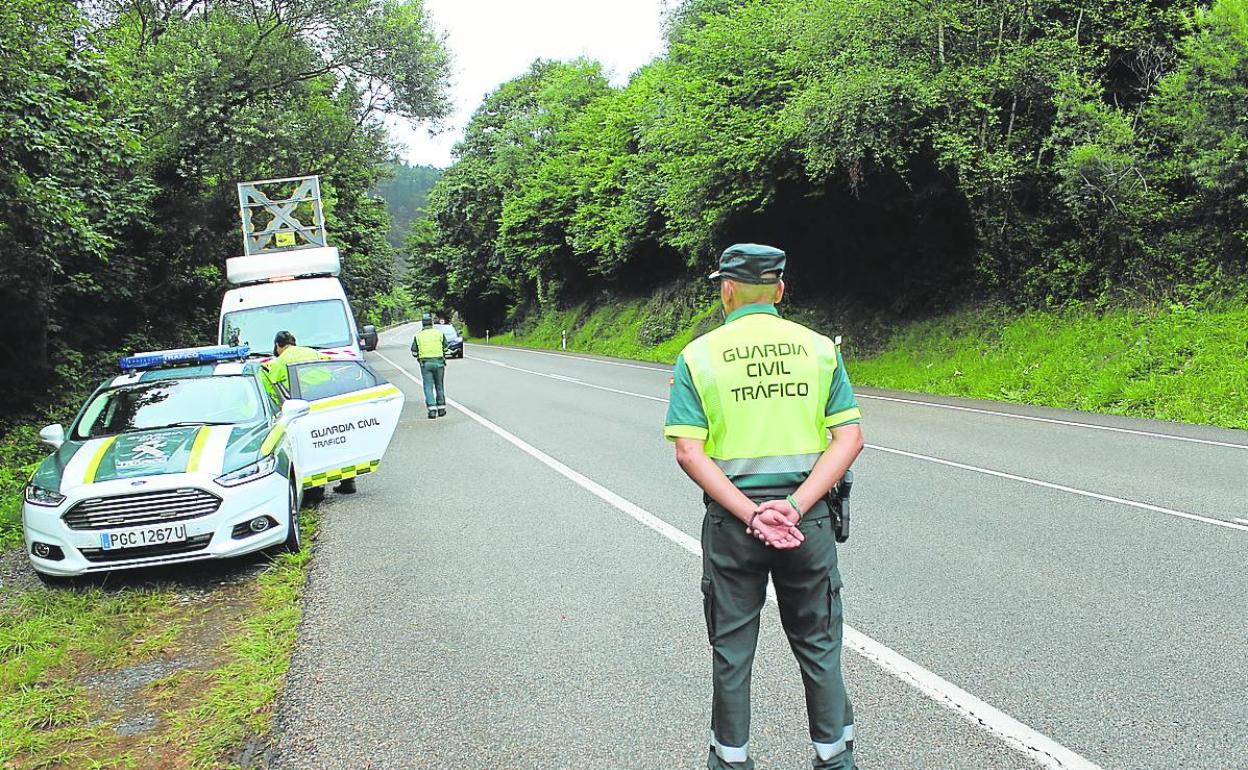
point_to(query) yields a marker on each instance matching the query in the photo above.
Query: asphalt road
(1022, 584)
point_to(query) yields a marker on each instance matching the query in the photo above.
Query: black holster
(838, 504)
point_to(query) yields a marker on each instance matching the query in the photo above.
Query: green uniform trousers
(433, 375)
(735, 566)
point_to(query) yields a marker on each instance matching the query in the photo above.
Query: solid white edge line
(1054, 421)
(1036, 746)
(574, 357)
(941, 461)
(572, 380)
(1063, 488)
(935, 405)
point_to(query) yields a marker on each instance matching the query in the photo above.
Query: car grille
(97, 555)
(144, 508)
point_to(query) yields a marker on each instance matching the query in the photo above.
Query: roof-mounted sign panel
(283, 265)
(281, 215)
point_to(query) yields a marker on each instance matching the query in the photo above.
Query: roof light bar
(160, 359)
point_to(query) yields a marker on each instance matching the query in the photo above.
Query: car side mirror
(294, 408)
(368, 337)
(53, 435)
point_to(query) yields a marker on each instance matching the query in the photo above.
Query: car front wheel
(294, 537)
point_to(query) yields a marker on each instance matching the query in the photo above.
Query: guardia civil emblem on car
(148, 452)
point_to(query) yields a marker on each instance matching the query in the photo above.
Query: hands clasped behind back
(775, 524)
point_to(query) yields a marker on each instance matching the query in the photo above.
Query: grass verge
(653, 328)
(1179, 363)
(177, 673)
(1176, 363)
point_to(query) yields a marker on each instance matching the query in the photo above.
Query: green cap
(750, 263)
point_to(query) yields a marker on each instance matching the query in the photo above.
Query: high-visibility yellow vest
(429, 343)
(278, 374)
(764, 384)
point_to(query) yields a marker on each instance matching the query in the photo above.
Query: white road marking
(1036, 746)
(941, 461)
(575, 357)
(1241, 521)
(1053, 421)
(1062, 488)
(572, 380)
(952, 407)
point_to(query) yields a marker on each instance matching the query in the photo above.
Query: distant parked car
(454, 344)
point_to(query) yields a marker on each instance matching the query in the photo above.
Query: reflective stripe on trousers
(730, 753)
(746, 466)
(826, 751)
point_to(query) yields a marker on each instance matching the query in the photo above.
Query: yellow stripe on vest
(840, 418)
(96, 459)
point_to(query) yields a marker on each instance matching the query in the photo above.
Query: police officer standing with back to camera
(752, 405)
(429, 347)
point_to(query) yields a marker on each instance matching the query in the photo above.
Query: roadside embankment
(1176, 363)
(162, 669)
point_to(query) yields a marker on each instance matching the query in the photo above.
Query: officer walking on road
(429, 349)
(752, 405)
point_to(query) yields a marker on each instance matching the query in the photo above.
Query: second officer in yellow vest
(429, 347)
(752, 406)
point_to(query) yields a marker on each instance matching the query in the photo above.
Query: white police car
(188, 455)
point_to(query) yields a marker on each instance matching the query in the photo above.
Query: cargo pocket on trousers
(708, 608)
(834, 611)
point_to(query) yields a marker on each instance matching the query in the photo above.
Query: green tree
(68, 187)
(126, 131)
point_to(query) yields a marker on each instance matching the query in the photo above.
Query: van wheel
(294, 537)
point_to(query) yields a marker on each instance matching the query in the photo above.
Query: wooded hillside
(406, 194)
(907, 155)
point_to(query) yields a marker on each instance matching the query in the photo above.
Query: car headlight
(257, 470)
(45, 497)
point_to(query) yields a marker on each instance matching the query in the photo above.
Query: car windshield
(320, 324)
(168, 403)
(448, 331)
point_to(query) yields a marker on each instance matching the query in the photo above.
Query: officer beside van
(277, 377)
(285, 353)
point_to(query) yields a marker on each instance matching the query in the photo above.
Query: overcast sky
(493, 41)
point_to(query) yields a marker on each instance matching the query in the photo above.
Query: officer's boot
(433, 413)
(841, 761)
(715, 762)
(345, 487)
(441, 411)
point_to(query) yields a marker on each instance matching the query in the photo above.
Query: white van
(287, 278)
(297, 291)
